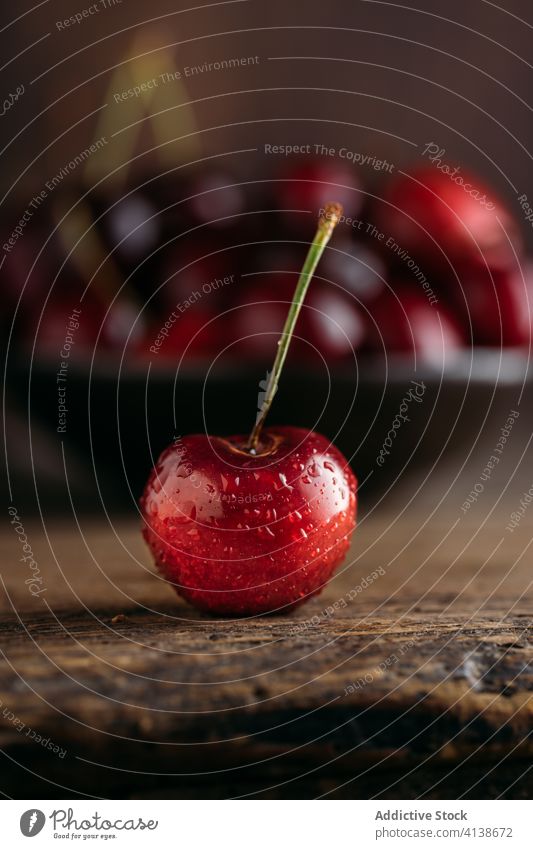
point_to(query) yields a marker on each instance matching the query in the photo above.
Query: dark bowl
(388, 417)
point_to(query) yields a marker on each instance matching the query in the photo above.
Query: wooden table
(418, 684)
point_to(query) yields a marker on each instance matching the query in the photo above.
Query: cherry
(193, 333)
(110, 329)
(435, 219)
(331, 322)
(403, 320)
(261, 302)
(258, 318)
(243, 534)
(243, 526)
(496, 303)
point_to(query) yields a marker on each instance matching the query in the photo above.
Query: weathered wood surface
(417, 684)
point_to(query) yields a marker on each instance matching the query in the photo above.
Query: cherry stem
(327, 221)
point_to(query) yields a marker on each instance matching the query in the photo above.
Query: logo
(32, 822)
(261, 395)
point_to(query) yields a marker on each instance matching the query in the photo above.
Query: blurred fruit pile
(204, 267)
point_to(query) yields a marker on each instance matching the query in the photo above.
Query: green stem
(326, 224)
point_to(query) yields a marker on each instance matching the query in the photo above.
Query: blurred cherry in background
(430, 266)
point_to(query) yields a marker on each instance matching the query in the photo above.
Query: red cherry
(403, 320)
(193, 333)
(253, 525)
(496, 302)
(238, 534)
(119, 327)
(310, 185)
(59, 324)
(433, 218)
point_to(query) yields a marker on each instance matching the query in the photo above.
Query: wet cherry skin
(238, 534)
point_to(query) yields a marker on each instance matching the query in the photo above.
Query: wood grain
(410, 675)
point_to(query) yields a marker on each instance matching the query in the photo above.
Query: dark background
(454, 73)
(379, 78)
